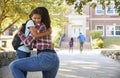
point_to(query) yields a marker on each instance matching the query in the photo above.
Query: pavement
(89, 64)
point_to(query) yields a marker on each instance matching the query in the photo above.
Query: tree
(11, 11)
(80, 3)
(16, 11)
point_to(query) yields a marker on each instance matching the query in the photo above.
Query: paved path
(89, 64)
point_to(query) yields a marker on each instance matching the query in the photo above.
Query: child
(71, 44)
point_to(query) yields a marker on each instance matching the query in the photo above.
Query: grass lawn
(113, 43)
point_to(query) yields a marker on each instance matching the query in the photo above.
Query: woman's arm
(28, 40)
(39, 35)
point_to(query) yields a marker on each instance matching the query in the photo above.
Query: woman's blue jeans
(21, 54)
(47, 62)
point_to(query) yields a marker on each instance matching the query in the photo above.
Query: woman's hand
(49, 31)
(39, 35)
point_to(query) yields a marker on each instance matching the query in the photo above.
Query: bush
(97, 39)
(95, 34)
(97, 43)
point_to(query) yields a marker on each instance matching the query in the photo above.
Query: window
(113, 30)
(110, 10)
(100, 28)
(117, 30)
(110, 30)
(99, 10)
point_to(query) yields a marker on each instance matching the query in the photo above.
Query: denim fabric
(21, 54)
(47, 62)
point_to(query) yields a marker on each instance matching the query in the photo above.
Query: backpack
(16, 40)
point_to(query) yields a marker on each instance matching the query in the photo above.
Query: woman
(25, 51)
(46, 59)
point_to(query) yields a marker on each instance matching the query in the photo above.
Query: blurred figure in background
(81, 39)
(71, 43)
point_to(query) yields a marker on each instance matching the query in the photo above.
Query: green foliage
(93, 5)
(0, 29)
(70, 2)
(117, 6)
(10, 10)
(111, 41)
(22, 8)
(95, 34)
(56, 38)
(79, 4)
(97, 43)
(55, 41)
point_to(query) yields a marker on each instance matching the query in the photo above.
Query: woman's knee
(12, 65)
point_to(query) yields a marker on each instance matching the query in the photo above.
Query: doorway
(76, 30)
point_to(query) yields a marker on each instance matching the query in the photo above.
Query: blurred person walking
(81, 39)
(71, 43)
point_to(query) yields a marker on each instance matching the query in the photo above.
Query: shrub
(95, 34)
(97, 43)
(97, 39)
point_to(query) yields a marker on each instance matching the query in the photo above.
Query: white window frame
(114, 30)
(108, 31)
(117, 30)
(100, 9)
(100, 30)
(111, 8)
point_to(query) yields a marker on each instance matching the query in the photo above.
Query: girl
(71, 44)
(46, 59)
